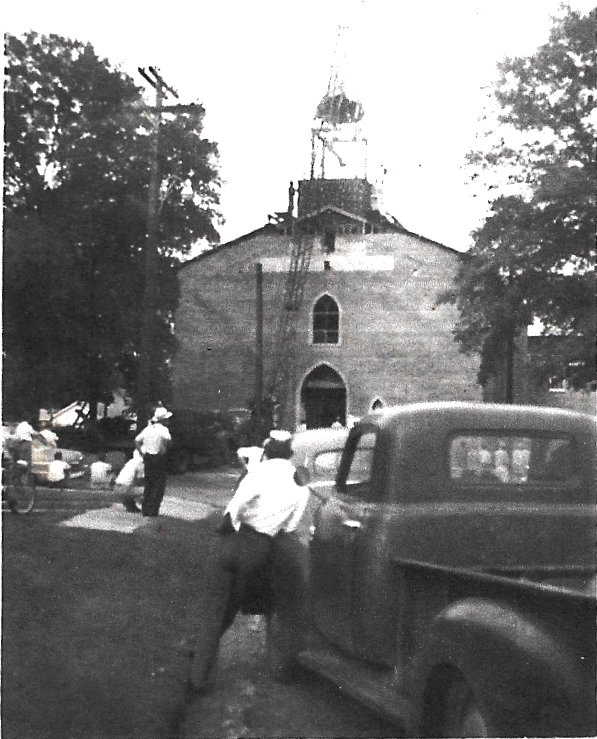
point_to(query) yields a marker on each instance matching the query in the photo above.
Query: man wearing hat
(267, 503)
(152, 443)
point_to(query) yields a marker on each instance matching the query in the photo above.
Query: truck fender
(521, 675)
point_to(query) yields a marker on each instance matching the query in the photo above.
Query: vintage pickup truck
(451, 572)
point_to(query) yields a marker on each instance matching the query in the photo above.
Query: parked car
(43, 453)
(318, 452)
(451, 569)
(199, 439)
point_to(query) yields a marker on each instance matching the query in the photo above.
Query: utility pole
(147, 349)
(257, 426)
(509, 363)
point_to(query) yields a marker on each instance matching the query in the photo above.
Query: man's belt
(248, 528)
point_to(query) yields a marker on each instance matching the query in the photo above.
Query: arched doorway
(323, 398)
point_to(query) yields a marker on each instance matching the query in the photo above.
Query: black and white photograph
(299, 420)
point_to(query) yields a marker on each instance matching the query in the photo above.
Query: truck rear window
(512, 459)
(325, 464)
(360, 465)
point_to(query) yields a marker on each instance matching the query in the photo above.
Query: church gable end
(389, 338)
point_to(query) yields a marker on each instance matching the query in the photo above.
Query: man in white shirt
(267, 499)
(57, 470)
(24, 431)
(100, 473)
(22, 440)
(153, 443)
(267, 504)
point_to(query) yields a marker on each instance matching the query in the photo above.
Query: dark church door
(323, 397)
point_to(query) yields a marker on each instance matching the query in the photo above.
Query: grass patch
(93, 623)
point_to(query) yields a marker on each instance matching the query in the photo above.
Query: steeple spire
(338, 144)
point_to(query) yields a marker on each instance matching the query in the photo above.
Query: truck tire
(462, 715)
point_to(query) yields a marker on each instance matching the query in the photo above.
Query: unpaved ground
(140, 673)
(246, 702)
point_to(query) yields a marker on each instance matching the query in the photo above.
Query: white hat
(279, 435)
(161, 414)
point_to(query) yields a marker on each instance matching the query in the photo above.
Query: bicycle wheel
(21, 493)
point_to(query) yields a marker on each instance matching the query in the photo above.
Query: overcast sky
(420, 68)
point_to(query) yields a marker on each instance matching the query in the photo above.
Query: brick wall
(352, 195)
(395, 342)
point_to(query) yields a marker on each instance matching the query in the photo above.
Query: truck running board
(371, 686)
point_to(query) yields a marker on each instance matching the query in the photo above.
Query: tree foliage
(534, 256)
(77, 164)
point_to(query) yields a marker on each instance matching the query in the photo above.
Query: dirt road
(246, 702)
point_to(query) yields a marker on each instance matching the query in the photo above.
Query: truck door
(340, 543)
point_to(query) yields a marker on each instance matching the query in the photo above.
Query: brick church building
(326, 312)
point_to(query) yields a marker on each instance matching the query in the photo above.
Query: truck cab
(453, 529)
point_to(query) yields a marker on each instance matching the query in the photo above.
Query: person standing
(152, 443)
(268, 504)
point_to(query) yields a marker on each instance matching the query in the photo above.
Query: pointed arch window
(326, 321)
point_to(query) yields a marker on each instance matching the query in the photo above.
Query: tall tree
(77, 164)
(534, 257)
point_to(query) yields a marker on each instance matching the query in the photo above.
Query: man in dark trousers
(267, 504)
(153, 443)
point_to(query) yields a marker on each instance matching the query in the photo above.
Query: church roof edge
(331, 209)
(273, 228)
(267, 228)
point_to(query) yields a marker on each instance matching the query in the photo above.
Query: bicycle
(18, 485)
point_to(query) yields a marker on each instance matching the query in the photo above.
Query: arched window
(326, 321)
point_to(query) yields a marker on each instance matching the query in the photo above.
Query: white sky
(260, 68)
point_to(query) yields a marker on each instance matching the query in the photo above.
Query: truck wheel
(180, 461)
(280, 655)
(463, 715)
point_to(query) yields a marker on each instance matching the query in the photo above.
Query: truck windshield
(512, 459)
